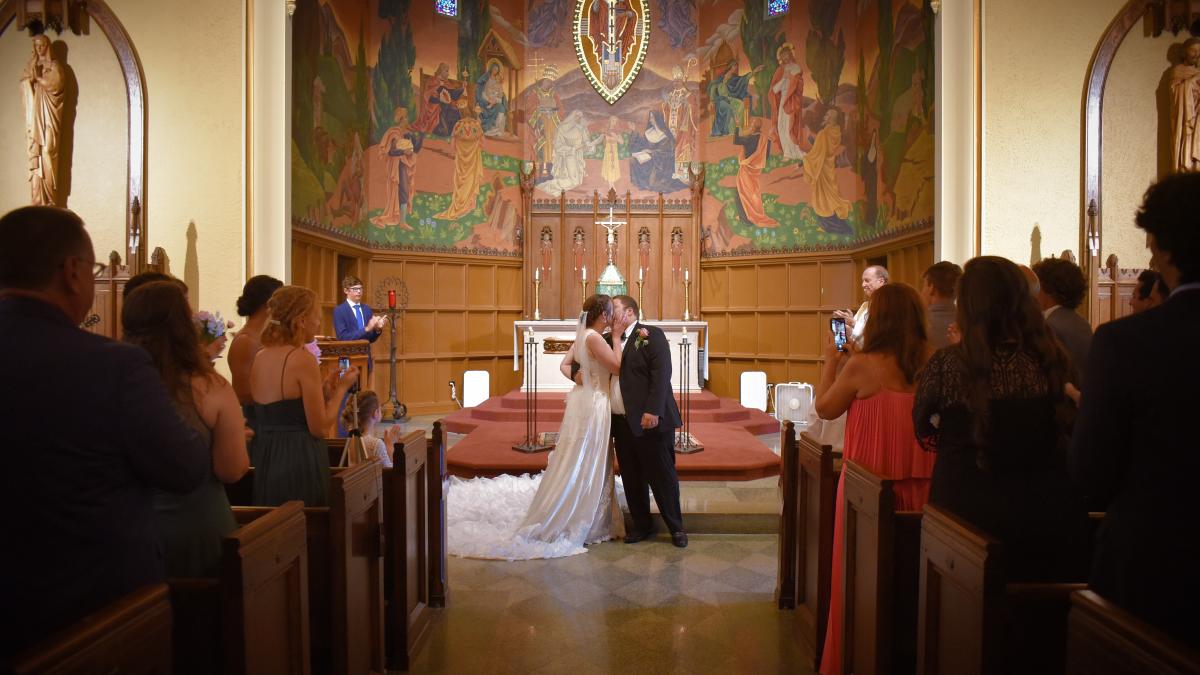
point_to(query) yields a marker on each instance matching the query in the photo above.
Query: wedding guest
(353, 320)
(875, 390)
(938, 291)
(1062, 290)
(1151, 291)
(370, 414)
(1134, 447)
(293, 407)
(994, 409)
(146, 277)
(873, 278)
(157, 318)
(248, 341)
(76, 500)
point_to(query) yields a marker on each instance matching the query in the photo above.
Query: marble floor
(640, 608)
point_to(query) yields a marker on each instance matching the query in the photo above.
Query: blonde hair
(286, 306)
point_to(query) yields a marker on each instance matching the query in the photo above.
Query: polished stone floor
(640, 608)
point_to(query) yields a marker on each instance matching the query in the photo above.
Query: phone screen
(838, 326)
(344, 364)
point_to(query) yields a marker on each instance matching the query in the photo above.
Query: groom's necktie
(358, 312)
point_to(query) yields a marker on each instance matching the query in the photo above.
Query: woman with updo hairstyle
(248, 341)
(293, 407)
(370, 414)
(157, 318)
(994, 408)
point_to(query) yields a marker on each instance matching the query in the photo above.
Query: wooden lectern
(359, 353)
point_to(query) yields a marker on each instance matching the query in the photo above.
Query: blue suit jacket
(345, 324)
(90, 434)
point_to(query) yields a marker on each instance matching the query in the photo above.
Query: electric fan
(793, 401)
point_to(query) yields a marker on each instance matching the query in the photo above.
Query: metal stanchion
(531, 444)
(685, 443)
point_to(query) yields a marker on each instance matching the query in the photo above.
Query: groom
(644, 419)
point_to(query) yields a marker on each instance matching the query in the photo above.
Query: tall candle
(537, 274)
(685, 274)
(639, 274)
(584, 270)
(391, 298)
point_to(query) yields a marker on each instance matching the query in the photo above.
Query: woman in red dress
(876, 386)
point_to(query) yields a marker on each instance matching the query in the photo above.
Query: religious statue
(43, 89)
(1185, 109)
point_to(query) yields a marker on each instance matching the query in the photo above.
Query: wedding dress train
(557, 512)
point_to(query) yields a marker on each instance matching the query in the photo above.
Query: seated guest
(90, 432)
(1062, 290)
(248, 341)
(994, 409)
(370, 414)
(1134, 447)
(938, 293)
(293, 408)
(1151, 291)
(873, 278)
(875, 390)
(157, 318)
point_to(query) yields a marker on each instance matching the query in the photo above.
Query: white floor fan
(793, 402)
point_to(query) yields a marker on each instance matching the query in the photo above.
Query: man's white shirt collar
(352, 303)
(628, 332)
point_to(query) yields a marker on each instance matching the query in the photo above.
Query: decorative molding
(290, 6)
(556, 346)
(307, 225)
(591, 65)
(852, 245)
(935, 6)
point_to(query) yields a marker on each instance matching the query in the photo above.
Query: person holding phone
(873, 278)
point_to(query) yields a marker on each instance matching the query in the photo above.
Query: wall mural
(814, 127)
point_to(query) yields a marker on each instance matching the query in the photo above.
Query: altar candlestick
(537, 274)
(687, 315)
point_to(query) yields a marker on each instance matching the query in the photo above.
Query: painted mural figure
(827, 202)
(652, 156)
(679, 110)
(439, 111)
(610, 166)
(571, 143)
(352, 202)
(398, 148)
(729, 93)
(42, 90)
(1185, 109)
(492, 101)
(611, 56)
(787, 103)
(544, 118)
(755, 152)
(467, 141)
(318, 98)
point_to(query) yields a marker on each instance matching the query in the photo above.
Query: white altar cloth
(560, 331)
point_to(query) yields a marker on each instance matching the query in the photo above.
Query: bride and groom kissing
(622, 393)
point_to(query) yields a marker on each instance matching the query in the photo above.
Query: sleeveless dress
(251, 421)
(292, 463)
(555, 513)
(879, 436)
(191, 526)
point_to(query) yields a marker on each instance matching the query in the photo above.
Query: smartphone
(343, 364)
(838, 326)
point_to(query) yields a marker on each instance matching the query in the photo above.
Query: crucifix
(611, 225)
(611, 282)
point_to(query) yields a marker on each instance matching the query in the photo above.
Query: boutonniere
(643, 336)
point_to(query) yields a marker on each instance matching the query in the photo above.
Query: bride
(572, 503)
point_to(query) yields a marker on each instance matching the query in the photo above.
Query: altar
(553, 337)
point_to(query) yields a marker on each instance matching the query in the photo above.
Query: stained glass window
(446, 7)
(777, 7)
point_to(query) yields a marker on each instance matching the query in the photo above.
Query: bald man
(873, 279)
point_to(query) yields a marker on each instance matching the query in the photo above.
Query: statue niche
(49, 95)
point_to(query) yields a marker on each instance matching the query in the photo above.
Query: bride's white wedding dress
(557, 512)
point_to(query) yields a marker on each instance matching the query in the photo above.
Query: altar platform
(728, 432)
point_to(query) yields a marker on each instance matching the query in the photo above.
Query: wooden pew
(254, 617)
(1103, 639)
(345, 572)
(131, 636)
(971, 619)
(789, 457)
(816, 469)
(880, 576)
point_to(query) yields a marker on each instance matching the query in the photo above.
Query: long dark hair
(156, 317)
(897, 327)
(996, 310)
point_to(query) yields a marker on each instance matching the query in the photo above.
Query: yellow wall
(1036, 55)
(192, 57)
(1131, 136)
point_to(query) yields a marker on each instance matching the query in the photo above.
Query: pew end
(131, 635)
(811, 547)
(1103, 639)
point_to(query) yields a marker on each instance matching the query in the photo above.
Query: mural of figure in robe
(1184, 82)
(571, 143)
(610, 166)
(680, 112)
(545, 112)
(352, 195)
(612, 56)
(756, 148)
(467, 141)
(819, 170)
(787, 103)
(652, 156)
(492, 101)
(728, 93)
(439, 108)
(399, 148)
(43, 91)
